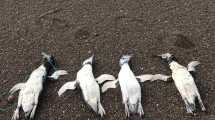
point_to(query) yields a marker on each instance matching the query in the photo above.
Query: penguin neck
(42, 67)
(87, 66)
(172, 59)
(124, 65)
(43, 71)
(87, 63)
(174, 65)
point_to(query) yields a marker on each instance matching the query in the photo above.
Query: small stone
(10, 98)
(141, 68)
(89, 52)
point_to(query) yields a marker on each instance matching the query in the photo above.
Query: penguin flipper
(57, 74)
(16, 87)
(147, 77)
(109, 84)
(191, 66)
(69, 85)
(104, 77)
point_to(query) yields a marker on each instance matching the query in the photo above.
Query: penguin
(30, 90)
(183, 78)
(89, 85)
(130, 87)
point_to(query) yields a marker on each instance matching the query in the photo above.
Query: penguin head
(167, 57)
(49, 62)
(89, 60)
(124, 59)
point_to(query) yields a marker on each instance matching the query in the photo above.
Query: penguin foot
(15, 115)
(140, 110)
(203, 109)
(127, 111)
(101, 110)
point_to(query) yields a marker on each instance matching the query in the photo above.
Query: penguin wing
(146, 77)
(57, 74)
(69, 85)
(16, 87)
(191, 65)
(109, 84)
(104, 77)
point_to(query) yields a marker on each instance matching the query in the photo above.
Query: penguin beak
(159, 55)
(128, 56)
(156, 56)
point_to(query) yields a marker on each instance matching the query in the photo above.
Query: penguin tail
(93, 104)
(101, 110)
(27, 114)
(133, 108)
(140, 110)
(97, 107)
(191, 107)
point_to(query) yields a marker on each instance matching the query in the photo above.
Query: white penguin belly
(28, 94)
(89, 87)
(130, 87)
(90, 90)
(185, 84)
(28, 98)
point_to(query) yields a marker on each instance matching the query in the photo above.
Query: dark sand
(72, 30)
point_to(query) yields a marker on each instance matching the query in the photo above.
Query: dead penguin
(184, 80)
(30, 90)
(130, 87)
(89, 86)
